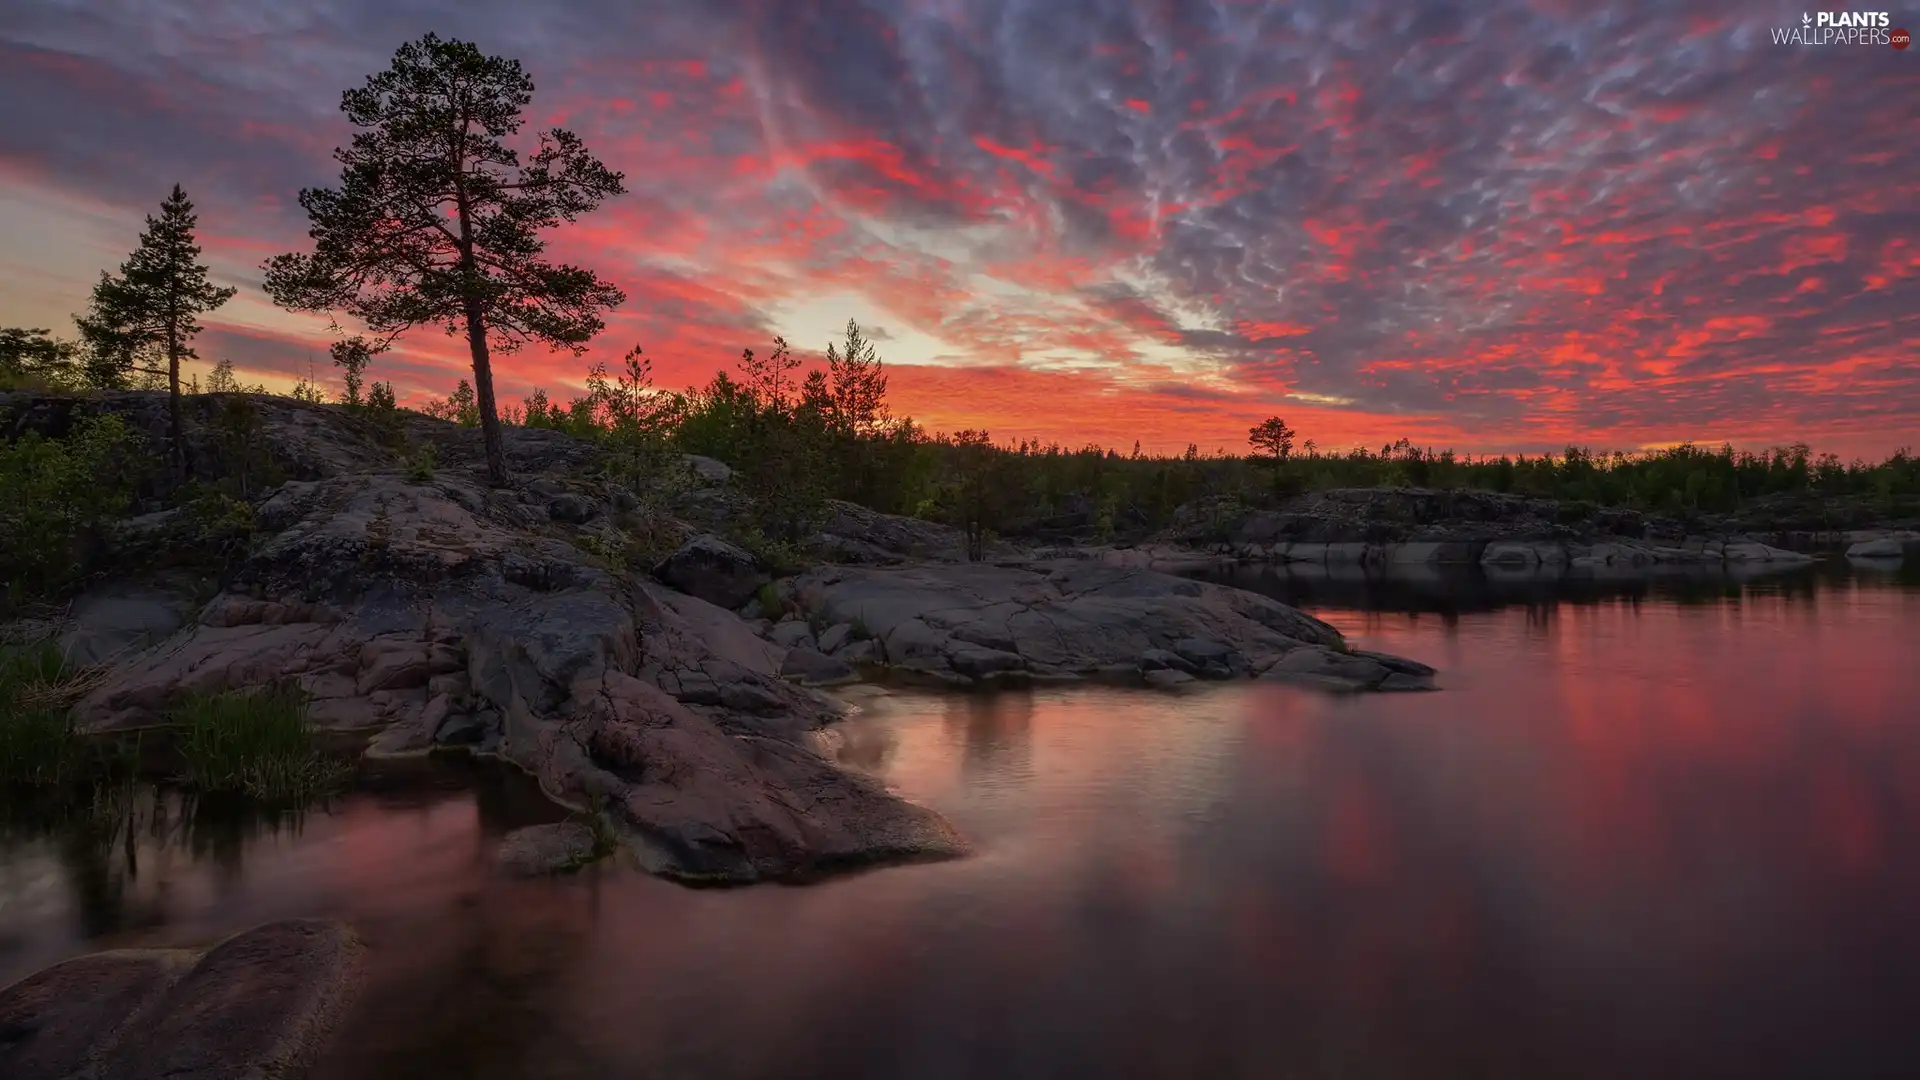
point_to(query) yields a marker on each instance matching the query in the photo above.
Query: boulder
(539, 850)
(713, 570)
(700, 806)
(108, 624)
(855, 534)
(572, 508)
(810, 668)
(1164, 660)
(706, 470)
(258, 1004)
(1751, 551)
(978, 662)
(864, 651)
(835, 636)
(52, 1022)
(1522, 553)
(1167, 678)
(790, 634)
(1885, 547)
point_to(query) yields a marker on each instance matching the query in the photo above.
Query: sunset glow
(1500, 226)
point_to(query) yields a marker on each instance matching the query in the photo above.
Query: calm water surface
(1646, 831)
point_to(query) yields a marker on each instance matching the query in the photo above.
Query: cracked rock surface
(1060, 620)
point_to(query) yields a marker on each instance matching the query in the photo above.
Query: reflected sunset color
(1657, 832)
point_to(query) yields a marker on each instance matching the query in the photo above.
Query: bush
(57, 495)
(258, 743)
(420, 466)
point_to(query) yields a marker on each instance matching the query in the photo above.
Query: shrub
(56, 495)
(421, 465)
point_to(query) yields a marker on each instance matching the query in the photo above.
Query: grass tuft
(257, 743)
(38, 746)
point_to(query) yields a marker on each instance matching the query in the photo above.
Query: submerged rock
(537, 850)
(1350, 670)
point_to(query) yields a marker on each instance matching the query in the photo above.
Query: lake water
(1652, 830)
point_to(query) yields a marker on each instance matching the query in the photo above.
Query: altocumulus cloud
(1497, 225)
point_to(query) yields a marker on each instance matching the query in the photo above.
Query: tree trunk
(483, 395)
(177, 445)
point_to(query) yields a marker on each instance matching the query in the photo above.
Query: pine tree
(35, 354)
(223, 381)
(858, 381)
(352, 357)
(148, 312)
(769, 380)
(437, 221)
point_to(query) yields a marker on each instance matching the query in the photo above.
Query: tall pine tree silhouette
(148, 311)
(437, 221)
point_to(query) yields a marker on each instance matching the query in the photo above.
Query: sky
(1493, 226)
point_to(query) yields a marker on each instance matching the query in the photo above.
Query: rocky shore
(661, 695)
(676, 689)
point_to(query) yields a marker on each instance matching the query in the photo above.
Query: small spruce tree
(147, 312)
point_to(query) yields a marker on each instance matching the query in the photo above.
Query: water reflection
(1639, 835)
(996, 730)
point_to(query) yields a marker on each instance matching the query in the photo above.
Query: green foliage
(420, 467)
(976, 499)
(352, 357)
(460, 407)
(222, 525)
(58, 497)
(438, 220)
(257, 743)
(771, 605)
(244, 464)
(781, 557)
(34, 360)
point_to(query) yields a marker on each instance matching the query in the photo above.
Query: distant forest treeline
(796, 440)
